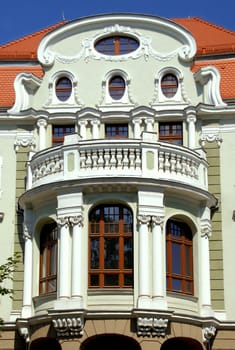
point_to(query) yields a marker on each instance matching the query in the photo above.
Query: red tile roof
(209, 37)
(7, 77)
(26, 47)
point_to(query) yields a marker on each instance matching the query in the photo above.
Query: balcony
(144, 159)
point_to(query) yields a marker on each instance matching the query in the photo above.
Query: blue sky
(19, 18)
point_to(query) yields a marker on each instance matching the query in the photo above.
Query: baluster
(125, 158)
(132, 158)
(100, 159)
(82, 159)
(88, 160)
(173, 162)
(119, 158)
(167, 162)
(178, 164)
(106, 158)
(95, 159)
(137, 159)
(113, 160)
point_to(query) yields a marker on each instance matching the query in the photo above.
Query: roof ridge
(28, 36)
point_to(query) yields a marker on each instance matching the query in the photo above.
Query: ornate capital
(41, 123)
(151, 326)
(208, 333)
(211, 138)
(68, 327)
(144, 219)
(27, 231)
(206, 231)
(63, 221)
(191, 118)
(24, 140)
(76, 220)
(157, 220)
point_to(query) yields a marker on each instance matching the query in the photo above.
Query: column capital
(191, 118)
(63, 221)
(144, 219)
(83, 122)
(157, 220)
(205, 230)
(76, 220)
(42, 123)
(95, 122)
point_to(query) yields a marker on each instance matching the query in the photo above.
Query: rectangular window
(59, 132)
(171, 132)
(116, 131)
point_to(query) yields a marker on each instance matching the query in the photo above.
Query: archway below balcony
(110, 341)
(45, 344)
(181, 343)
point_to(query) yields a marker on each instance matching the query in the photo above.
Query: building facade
(116, 185)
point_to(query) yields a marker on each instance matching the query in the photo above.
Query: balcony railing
(146, 158)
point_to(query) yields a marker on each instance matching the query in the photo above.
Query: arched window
(63, 88)
(179, 257)
(111, 247)
(116, 45)
(169, 85)
(48, 258)
(117, 87)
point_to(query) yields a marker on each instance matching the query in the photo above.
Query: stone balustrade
(144, 158)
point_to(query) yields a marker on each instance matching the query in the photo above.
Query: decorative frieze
(151, 326)
(24, 140)
(68, 327)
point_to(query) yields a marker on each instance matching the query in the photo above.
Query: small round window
(63, 88)
(169, 85)
(116, 45)
(116, 87)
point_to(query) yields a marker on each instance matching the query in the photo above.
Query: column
(149, 124)
(95, 129)
(28, 267)
(82, 124)
(205, 288)
(77, 259)
(137, 130)
(42, 124)
(158, 257)
(191, 120)
(144, 266)
(64, 279)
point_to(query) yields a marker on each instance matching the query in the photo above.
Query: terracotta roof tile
(25, 47)
(226, 68)
(210, 38)
(7, 77)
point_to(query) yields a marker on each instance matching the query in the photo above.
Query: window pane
(116, 45)
(187, 261)
(128, 253)
(63, 89)
(95, 253)
(116, 87)
(111, 280)
(111, 248)
(51, 286)
(128, 280)
(53, 259)
(169, 85)
(176, 258)
(176, 284)
(94, 280)
(111, 219)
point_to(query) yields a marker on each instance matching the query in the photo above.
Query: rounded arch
(45, 344)
(183, 217)
(110, 341)
(182, 343)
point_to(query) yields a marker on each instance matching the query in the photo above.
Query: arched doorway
(45, 344)
(110, 341)
(181, 343)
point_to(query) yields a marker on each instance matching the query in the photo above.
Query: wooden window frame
(63, 88)
(184, 241)
(116, 87)
(169, 85)
(116, 45)
(47, 244)
(101, 272)
(171, 137)
(116, 128)
(66, 130)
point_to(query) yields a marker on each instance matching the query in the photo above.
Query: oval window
(116, 87)
(169, 85)
(116, 45)
(63, 88)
